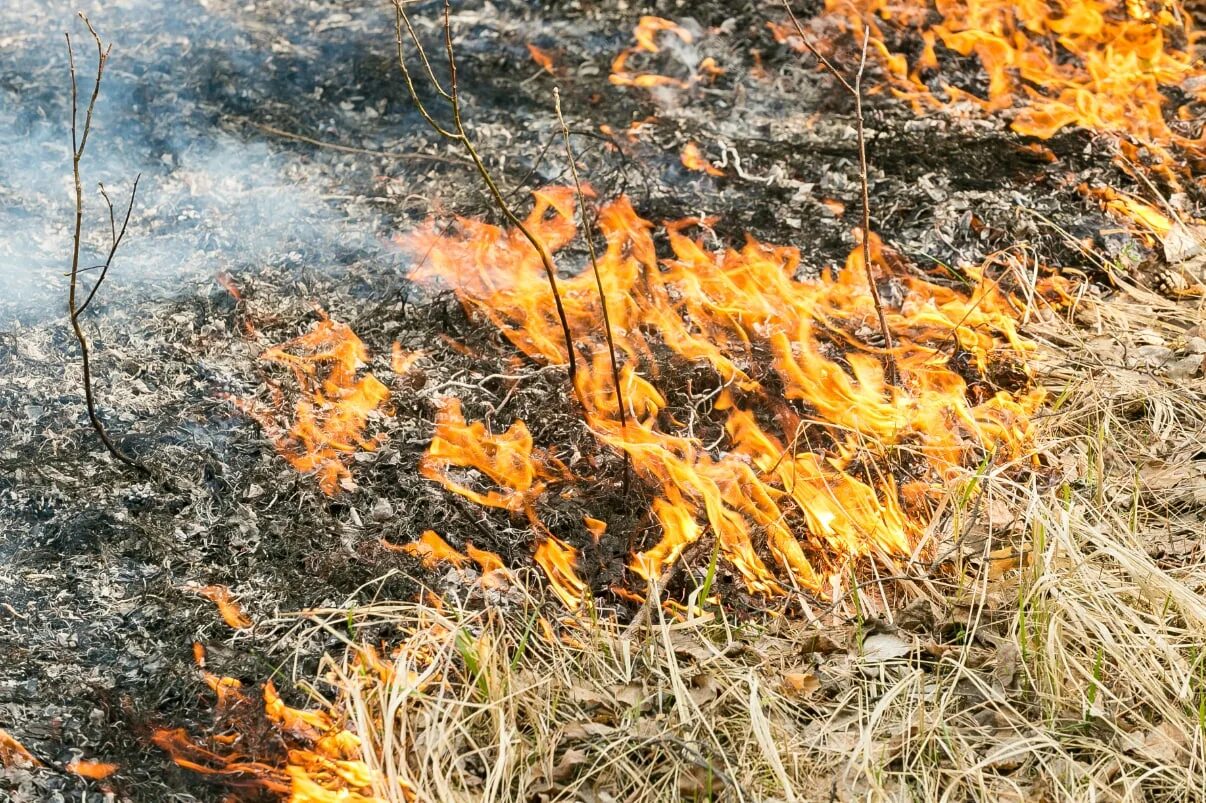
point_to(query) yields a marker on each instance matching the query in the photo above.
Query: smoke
(184, 83)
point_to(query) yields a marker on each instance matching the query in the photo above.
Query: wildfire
(267, 746)
(809, 461)
(334, 404)
(1104, 65)
(230, 611)
(693, 159)
(647, 35)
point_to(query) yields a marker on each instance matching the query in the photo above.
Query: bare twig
(79, 140)
(594, 264)
(458, 134)
(856, 91)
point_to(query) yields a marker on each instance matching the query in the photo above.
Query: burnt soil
(97, 624)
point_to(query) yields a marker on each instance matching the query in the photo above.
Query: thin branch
(856, 91)
(78, 143)
(594, 264)
(459, 135)
(117, 237)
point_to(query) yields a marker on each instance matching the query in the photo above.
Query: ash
(95, 562)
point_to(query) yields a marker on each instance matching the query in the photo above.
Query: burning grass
(1051, 653)
(964, 594)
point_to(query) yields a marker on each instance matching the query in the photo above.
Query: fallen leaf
(586, 730)
(801, 684)
(1164, 744)
(880, 647)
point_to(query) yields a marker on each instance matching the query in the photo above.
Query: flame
(306, 755)
(694, 160)
(229, 610)
(809, 442)
(542, 58)
(402, 362)
(507, 459)
(1147, 219)
(15, 754)
(432, 550)
(334, 408)
(1102, 65)
(95, 770)
(646, 35)
(558, 559)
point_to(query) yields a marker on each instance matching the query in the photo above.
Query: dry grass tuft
(1058, 657)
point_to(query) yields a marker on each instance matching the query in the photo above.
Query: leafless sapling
(855, 90)
(76, 308)
(458, 134)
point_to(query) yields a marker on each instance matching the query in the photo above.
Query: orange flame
(506, 459)
(542, 58)
(646, 35)
(693, 159)
(334, 408)
(95, 770)
(808, 421)
(432, 550)
(1147, 219)
(303, 754)
(1103, 65)
(229, 610)
(15, 754)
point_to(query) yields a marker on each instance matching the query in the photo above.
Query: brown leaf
(800, 684)
(1164, 744)
(586, 730)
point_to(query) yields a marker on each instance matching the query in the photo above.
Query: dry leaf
(801, 684)
(586, 730)
(1164, 744)
(880, 647)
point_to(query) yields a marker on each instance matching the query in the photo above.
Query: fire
(507, 459)
(15, 754)
(228, 608)
(432, 550)
(1104, 65)
(267, 746)
(334, 407)
(543, 58)
(693, 159)
(94, 770)
(647, 34)
(813, 442)
(1146, 218)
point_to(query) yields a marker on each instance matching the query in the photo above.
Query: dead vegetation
(1057, 658)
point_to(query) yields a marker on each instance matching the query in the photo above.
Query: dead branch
(78, 143)
(594, 264)
(856, 91)
(458, 134)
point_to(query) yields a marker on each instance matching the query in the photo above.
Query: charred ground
(97, 624)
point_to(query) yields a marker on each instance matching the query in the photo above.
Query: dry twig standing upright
(594, 264)
(79, 141)
(856, 91)
(458, 134)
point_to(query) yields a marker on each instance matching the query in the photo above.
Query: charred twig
(855, 90)
(458, 134)
(594, 264)
(78, 143)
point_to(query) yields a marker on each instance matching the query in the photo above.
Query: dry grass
(1059, 655)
